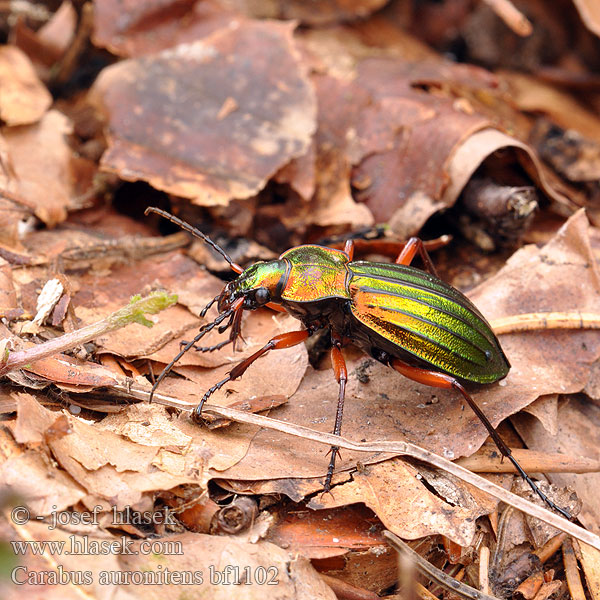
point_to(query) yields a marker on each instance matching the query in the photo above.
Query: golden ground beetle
(402, 316)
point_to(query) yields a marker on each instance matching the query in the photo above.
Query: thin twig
(433, 573)
(545, 320)
(388, 447)
(132, 313)
(550, 547)
(572, 571)
(529, 588)
(488, 460)
(512, 16)
(484, 569)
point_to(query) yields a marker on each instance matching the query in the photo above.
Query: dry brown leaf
(425, 121)
(48, 177)
(132, 28)
(328, 532)
(255, 383)
(545, 409)
(8, 296)
(168, 126)
(147, 425)
(394, 491)
(30, 474)
(578, 427)
(412, 149)
(345, 542)
(74, 374)
(99, 295)
(110, 468)
(24, 98)
(531, 94)
(326, 11)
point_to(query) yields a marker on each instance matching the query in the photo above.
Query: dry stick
(550, 547)
(484, 569)
(530, 587)
(394, 447)
(547, 589)
(488, 460)
(433, 573)
(132, 313)
(572, 571)
(546, 320)
(155, 302)
(512, 16)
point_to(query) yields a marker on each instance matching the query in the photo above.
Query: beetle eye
(262, 296)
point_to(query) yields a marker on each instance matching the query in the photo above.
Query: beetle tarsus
(197, 412)
(209, 304)
(565, 513)
(206, 348)
(335, 452)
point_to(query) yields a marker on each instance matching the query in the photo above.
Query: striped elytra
(427, 318)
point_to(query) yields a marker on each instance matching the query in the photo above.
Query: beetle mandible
(404, 317)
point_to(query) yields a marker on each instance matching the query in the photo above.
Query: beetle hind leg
(341, 374)
(442, 380)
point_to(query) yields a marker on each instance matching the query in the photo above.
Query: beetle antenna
(203, 331)
(196, 233)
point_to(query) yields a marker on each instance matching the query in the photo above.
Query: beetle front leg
(284, 340)
(442, 380)
(409, 251)
(341, 374)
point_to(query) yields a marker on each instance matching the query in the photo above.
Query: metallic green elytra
(388, 310)
(427, 318)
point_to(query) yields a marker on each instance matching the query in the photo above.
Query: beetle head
(258, 284)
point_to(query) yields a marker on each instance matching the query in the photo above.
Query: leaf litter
(355, 122)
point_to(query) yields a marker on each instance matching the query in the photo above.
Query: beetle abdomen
(427, 318)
